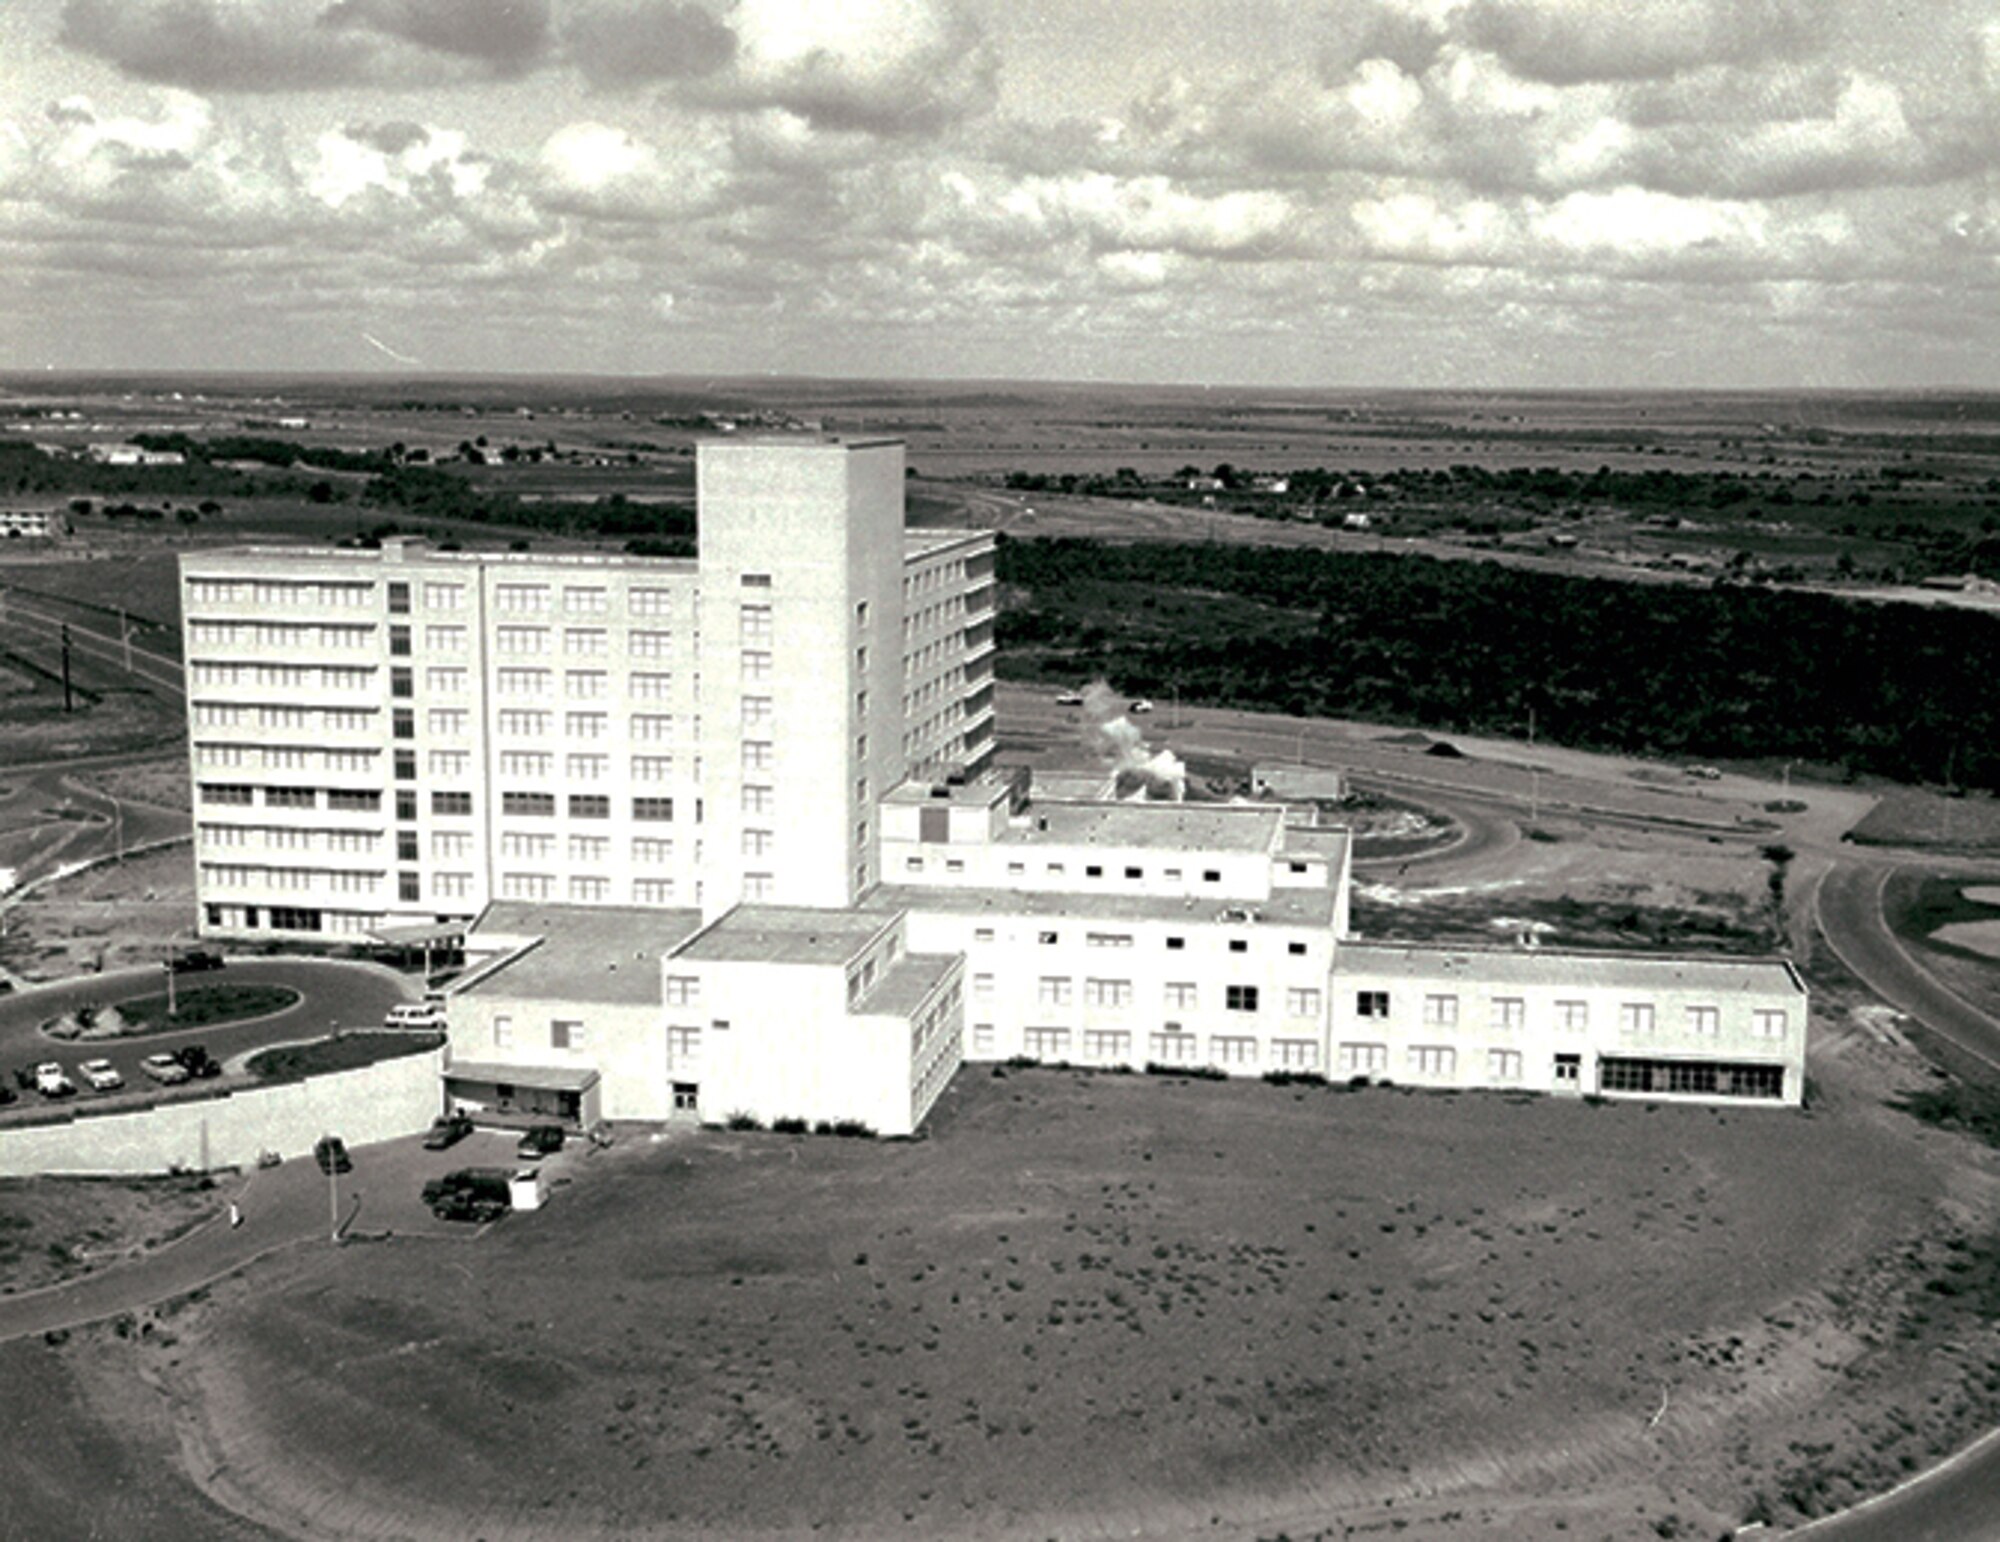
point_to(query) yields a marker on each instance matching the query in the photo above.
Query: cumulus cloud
(216, 45)
(607, 172)
(626, 44)
(506, 36)
(884, 67)
(1148, 214)
(1568, 41)
(402, 160)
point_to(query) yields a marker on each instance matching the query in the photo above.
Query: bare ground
(115, 915)
(1098, 1304)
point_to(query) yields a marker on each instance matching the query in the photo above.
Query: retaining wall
(370, 1103)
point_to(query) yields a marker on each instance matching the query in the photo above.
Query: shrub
(1295, 1078)
(742, 1120)
(853, 1128)
(1356, 1083)
(789, 1124)
(1200, 1073)
(1021, 1062)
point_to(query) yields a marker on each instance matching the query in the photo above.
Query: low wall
(370, 1103)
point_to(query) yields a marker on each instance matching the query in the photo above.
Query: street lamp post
(168, 965)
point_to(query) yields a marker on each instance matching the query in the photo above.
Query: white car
(1141, 705)
(415, 1015)
(165, 1069)
(52, 1082)
(102, 1075)
(1069, 699)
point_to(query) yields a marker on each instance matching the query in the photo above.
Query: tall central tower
(801, 671)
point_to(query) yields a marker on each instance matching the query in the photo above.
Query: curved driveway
(332, 995)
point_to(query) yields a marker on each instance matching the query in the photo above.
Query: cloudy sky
(1365, 192)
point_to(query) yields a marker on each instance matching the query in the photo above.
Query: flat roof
(784, 934)
(546, 1078)
(605, 953)
(1187, 827)
(1285, 907)
(982, 791)
(1563, 966)
(1329, 841)
(899, 992)
(796, 439)
(922, 542)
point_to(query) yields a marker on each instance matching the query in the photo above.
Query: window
(536, 763)
(406, 846)
(447, 721)
(1172, 1046)
(1107, 993)
(1053, 990)
(756, 666)
(982, 1038)
(1433, 1060)
(565, 1033)
(757, 799)
(532, 805)
(1135, 872)
(1440, 1011)
(521, 599)
(589, 848)
(403, 723)
(587, 889)
(1635, 1017)
(649, 602)
(345, 801)
(652, 891)
(517, 681)
(584, 684)
(1211, 875)
(527, 886)
(1371, 1003)
(1295, 1054)
(1363, 1059)
(399, 646)
(585, 602)
(521, 843)
(1509, 1012)
(1240, 998)
(651, 851)
(1045, 1043)
(1093, 871)
(758, 887)
(1176, 944)
(585, 725)
(1705, 1021)
(1573, 1015)
(587, 768)
(1180, 995)
(1227, 1049)
(449, 845)
(652, 727)
(982, 987)
(291, 797)
(1238, 945)
(444, 639)
(756, 714)
(523, 724)
(1767, 1023)
(443, 596)
(756, 626)
(1046, 939)
(503, 1032)
(683, 990)
(589, 805)
(1107, 1046)
(1503, 1065)
(757, 843)
(653, 808)
(650, 686)
(650, 645)
(584, 642)
(409, 887)
(1108, 939)
(402, 681)
(757, 755)
(652, 768)
(1301, 1001)
(224, 792)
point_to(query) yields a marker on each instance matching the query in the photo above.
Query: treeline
(269, 452)
(425, 492)
(1900, 691)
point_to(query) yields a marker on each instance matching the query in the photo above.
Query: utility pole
(69, 701)
(125, 636)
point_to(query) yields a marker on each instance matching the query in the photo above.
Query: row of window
(276, 592)
(1179, 995)
(518, 599)
(291, 636)
(578, 684)
(1634, 1017)
(580, 805)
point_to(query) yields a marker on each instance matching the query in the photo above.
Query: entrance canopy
(420, 936)
(542, 1078)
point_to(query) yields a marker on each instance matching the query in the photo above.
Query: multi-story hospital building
(723, 835)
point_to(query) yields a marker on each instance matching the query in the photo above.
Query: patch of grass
(294, 1062)
(205, 1006)
(1956, 1106)
(1916, 905)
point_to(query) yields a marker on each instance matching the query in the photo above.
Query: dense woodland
(1900, 691)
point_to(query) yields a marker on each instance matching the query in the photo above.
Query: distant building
(38, 523)
(134, 455)
(1307, 784)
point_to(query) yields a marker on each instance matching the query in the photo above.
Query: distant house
(1358, 520)
(134, 455)
(27, 522)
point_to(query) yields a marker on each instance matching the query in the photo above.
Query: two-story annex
(723, 835)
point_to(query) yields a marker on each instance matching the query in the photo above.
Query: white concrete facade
(403, 735)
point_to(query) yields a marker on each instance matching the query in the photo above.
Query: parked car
(415, 1015)
(195, 961)
(470, 1194)
(165, 1069)
(24, 1077)
(100, 1075)
(331, 1153)
(538, 1140)
(197, 1062)
(51, 1081)
(7, 1094)
(447, 1130)
(1069, 699)
(1704, 773)
(1141, 705)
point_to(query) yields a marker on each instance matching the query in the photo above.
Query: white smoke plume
(1117, 740)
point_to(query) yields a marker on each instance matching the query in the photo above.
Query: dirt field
(121, 913)
(53, 1229)
(1120, 1304)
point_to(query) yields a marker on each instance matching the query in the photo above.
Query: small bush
(741, 1120)
(854, 1129)
(789, 1124)
(1021, 1062)
(1295, 1078)
(1356, 1083)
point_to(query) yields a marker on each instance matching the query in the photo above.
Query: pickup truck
(51, 1081)
(470, 1194)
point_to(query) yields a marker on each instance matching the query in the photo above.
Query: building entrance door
(1569, 1073)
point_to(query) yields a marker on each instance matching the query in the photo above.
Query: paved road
(1849, 906)
(48, 817)
(333, 995)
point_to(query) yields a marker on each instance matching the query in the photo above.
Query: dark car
(195, 961)
(538, 1140)
(447, 1130)
(470, 1194)
(200, 1064)
(331, 1154)
(24, 1077)
(7, 1094)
